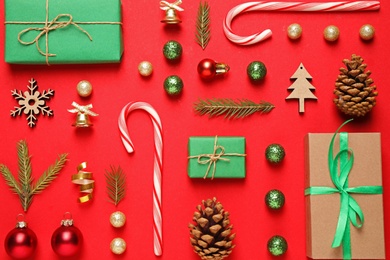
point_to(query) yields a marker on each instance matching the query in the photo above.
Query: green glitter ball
(277, 245)
(256, 71)
(275, 153)
(274, 199)
(172, 50)
(173, 85)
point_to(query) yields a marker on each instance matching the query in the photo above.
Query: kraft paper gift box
(324, 206)
(77, 31)
(228, 153)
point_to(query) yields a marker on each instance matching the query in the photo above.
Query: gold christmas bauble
(294, 31)
(331, 33)
(84, 88)
(367, 32)
(118, 246)
(145, 68)
(117, 219)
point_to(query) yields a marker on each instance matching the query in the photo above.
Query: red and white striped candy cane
(345, 6)
(158, 146)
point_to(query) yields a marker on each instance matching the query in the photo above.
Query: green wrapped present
(216, 157)
(58, 31)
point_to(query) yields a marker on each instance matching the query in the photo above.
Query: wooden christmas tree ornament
(301, 88)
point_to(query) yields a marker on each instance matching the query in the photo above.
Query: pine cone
(211, 236)
(355, 95)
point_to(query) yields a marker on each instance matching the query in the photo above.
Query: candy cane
(345, 6)
(158, 145)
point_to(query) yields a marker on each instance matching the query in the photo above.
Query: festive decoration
(117, 219)
(274, 199)
(67, 240)
(145, 68)
(344, 204)
(343, 6)
(256, 71)
(86, 182)
(32, 102)
(173, 85)
(367, 32)
(294, 31)
(21, 242)
(331, 33)
(157, 170)
(25, 188)
(274, 153)
(301, 87)
(116, 184)
(355, 94)
(211, 235)
(231, 108)
(171, 16)
(84, 88)
(118, 246)
(208, 69)
(63, 32)
(83, 113)
(203, 24)
(227, 159)
(277, 245)
(172, 50)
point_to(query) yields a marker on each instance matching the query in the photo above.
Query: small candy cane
(158, 145)
(345, 6)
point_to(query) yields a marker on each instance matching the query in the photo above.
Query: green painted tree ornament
(275, 153)
(256, 71)
(277, 245)
(172, 50)
(274, 199)
(173, 85)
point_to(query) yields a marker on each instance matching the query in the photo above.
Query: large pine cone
(355, 95)
(211, 236)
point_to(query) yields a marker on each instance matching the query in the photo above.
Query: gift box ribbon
(213, 158)
(340, 167)
(57, 23)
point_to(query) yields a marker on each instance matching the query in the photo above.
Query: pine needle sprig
(203, 24)
(231, 108)
(116, 184)
(25, 188)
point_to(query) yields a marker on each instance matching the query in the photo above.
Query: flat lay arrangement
(194, 130)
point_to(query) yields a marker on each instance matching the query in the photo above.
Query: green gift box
(216, 157)
(58, 31)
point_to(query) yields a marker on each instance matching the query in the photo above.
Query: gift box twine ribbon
(212, 159)
(340, 167)
(57, 23)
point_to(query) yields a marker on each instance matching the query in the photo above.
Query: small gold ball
(294, 31)
(117, 219)
(84, 88)
(331, 33)
(145, 68)
(118, 246)
(367, 32)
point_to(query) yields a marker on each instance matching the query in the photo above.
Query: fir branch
(231, 108)
(10, 180)
(203, 24)
(49, 175)
(24, 164)
(116, 184)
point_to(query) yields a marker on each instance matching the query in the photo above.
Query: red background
(117, 84)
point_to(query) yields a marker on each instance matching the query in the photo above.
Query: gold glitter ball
(118, 246)
(367, 32)
(331, 33)
(145, 68)
(294, 31)
(117, 219)
(84, 88)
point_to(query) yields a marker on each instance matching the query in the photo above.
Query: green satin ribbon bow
(350, 210)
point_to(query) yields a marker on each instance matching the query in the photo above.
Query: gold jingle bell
(82, 120)
(171, 17)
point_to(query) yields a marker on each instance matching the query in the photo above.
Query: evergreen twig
(231, 108)
(116, 184)
(203, 24)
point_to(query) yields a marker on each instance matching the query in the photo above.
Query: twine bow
(212, 159)
(350, 211)
(164, 5)
(82, 109)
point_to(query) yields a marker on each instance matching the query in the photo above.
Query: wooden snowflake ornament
(301, 87)
(32, 102)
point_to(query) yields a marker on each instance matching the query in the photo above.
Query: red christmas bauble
(66, 241)
(207, 68)
(20, 243)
